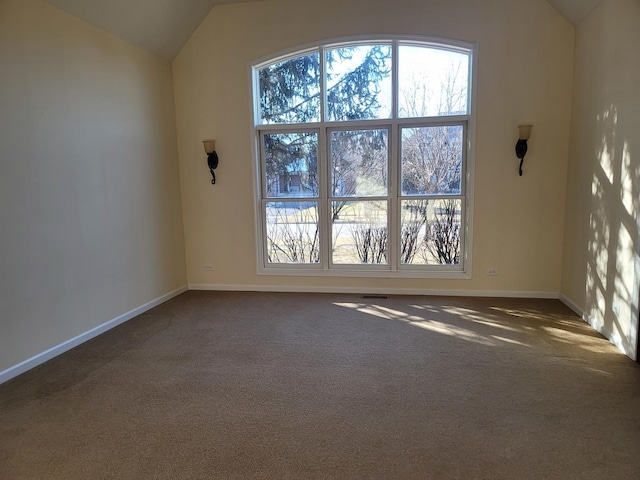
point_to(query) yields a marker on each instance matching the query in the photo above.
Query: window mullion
(393, 189)
(262, 202)
(263, 250)
(323, 168)
(465, 155)
(463, 231)
(394, 203)
(323, 188)
(394, 80)
(323, 86)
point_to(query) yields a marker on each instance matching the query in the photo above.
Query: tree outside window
(357, 175)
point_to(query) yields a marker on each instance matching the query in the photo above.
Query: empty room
(393, 239)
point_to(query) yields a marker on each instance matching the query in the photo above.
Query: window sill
(365, 273)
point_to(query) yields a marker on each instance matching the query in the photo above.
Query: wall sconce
(521, 145)
(212, 157)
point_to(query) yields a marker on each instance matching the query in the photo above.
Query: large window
(363, 159)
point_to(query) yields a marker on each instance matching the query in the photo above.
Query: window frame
(393, 268)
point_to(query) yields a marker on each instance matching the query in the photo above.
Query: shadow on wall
(613, 267)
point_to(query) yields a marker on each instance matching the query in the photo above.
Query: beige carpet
(296, 386)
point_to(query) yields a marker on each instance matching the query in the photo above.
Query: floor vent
(383, 297)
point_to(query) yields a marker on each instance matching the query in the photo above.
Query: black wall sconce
(212, 157)
(521, 145)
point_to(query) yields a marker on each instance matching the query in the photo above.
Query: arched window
(363, 159)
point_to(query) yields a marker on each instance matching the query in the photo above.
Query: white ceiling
(159, 26)
(163, 26)
(575, 10)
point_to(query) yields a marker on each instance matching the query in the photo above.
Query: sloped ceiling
(163, 26)
(575, 10)
(159, 26)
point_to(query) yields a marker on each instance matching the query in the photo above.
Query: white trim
(572, 305)
(394, 125)
(366, 38)
(47, 355)
(370, 290)
(361, 271)
(599, 327)
(470, 164)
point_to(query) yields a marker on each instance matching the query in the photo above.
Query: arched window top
(364, 80)
(362, 159)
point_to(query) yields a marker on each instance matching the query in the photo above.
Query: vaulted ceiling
(575, 10)
(163, 26)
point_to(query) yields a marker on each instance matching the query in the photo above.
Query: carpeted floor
(295, 386)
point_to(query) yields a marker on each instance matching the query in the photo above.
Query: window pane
(430, 233)
(359, 82)
(290, 90)
(359, 232)
(291, 164)
(292, 232)
(432, 82)
(359, 163)
(432, 160)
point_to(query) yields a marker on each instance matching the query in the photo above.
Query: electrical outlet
(208, 267)
(492, 271)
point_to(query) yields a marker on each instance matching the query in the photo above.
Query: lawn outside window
(364, 153)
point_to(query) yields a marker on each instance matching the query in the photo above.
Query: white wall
(525, 75)
(90, 209)
(601, 270)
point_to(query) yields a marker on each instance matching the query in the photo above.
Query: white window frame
(325, 267)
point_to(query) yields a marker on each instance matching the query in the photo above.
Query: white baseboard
(364, 290)
(39, 359)
(599, 327)
(572, 305)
